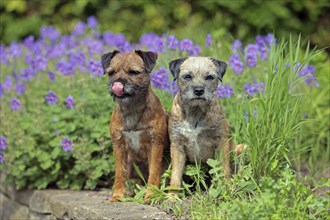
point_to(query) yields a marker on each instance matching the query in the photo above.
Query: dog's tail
(239, 148)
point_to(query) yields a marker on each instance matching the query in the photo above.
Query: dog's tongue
(118, 88)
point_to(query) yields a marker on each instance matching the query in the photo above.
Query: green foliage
(273, 116)
(133, 18)
(283, 198)
(34, 134)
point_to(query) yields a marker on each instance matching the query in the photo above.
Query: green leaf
(273, 165)
(56, 152)
(212, 163)
(46, 164)
(214, 193)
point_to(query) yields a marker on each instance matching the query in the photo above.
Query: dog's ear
(106, 58)
(149, 58)
(175, 67)
(221, 68)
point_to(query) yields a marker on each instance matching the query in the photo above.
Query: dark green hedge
(242, 19)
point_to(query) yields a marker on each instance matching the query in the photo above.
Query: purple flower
(250, 89)
(236, 47)
(95, 68)
(51, 98)
(263, 53)
(224, 91)
(270, 40)
(208, 40)
(92, 21)
(195, 51)
(3, 143)
(251, 60)
(29, 42)
(65, 68)
(40, 63)
(20, 88)
(55, 51)
(3, 54)
(69, 101)
(94, 46)
(117, 40)
(251, 52)
(68, 41)
(51, 76)
(77, 59)
(15, 104)
(28, 59)
(2, 90)
(149, 39)
(235, 64)
(108, 38)
(160, 45)
(159, 79)
(260, 41)
(79, 29)
(309, 73)
(251, 49)
(49, 32)
(16, 77)
(253, 89)
(186, 45)
(66, 144)
(172, 42)
(15, 50)
(8, 84)
(173, 88)
(154, 42)
(27, 74)
(2, 157)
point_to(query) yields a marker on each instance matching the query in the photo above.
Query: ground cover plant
(55, 113)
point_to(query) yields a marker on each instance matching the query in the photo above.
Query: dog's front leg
(178, 162)
(121, 173)
(155, 167)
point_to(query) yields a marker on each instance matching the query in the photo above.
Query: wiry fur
(138, 125)
(197, 124)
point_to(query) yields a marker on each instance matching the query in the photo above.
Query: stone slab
(65, 204)
(95, 205)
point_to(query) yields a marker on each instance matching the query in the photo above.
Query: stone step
(65, 204)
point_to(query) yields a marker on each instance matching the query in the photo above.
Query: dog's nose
(198, 91)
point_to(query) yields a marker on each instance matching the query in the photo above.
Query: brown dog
(197, 124)
(138, 125)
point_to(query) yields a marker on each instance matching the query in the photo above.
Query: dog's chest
(133, 140)
(197, 140)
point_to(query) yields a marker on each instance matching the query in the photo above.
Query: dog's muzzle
(198, 91)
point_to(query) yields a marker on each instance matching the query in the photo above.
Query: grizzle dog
(138, 125)
(197, 124)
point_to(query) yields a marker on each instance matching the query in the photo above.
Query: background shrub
(133, 18)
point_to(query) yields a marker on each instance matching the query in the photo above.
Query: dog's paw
(149, 192)
(240, 148)
(117, 196)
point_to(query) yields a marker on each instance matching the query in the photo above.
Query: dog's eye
(110, 73)
(134, 72)
(210, 78)
(187, 77)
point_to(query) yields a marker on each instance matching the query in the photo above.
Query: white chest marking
(133, 139)
(191, 133)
